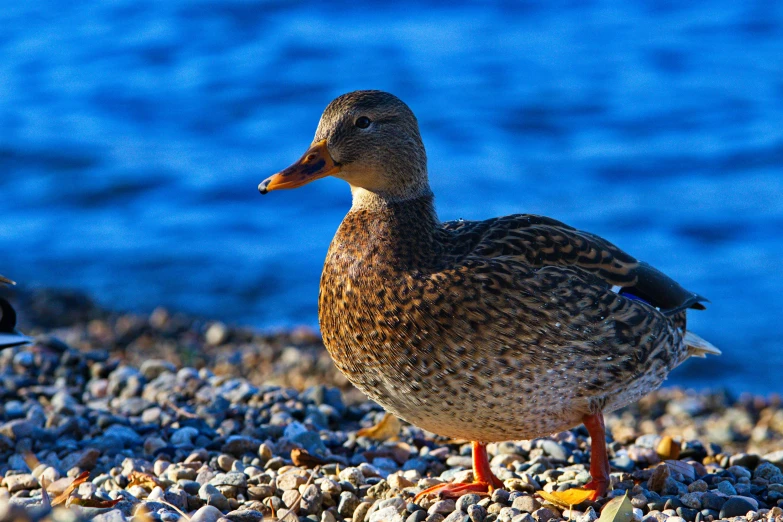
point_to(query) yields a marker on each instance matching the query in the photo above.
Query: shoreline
(216, 414)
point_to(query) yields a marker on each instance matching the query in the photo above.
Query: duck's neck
(403, 232)
(379, 200)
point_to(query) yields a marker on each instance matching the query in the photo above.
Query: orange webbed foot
(454, 490)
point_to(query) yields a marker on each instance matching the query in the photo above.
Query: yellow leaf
(388, 427)
(619, 509)
(144, 480)
(567, 498)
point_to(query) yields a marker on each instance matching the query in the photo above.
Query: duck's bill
(316, 163)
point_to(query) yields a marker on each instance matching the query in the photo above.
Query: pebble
(442, 507)
(736, 507)
(206, 514)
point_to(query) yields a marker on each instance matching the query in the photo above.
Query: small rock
(348, 504)
(239, 445)
(691, 500)
(213, 497)
(206, 514)
(115, 515)
(554, 450)
(543, 515)
(457, 516)
(442, 506)
(311, 500)
(467, 500)
(726, 488)
(290, 480)
(477, 513)
(245, 515)
(526, 504)
(500, 496)
(386, 514)
(21, 482)
(736, 507)
(399, 482)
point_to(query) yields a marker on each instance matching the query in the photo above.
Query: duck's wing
(541, 242)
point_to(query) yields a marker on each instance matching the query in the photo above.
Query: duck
(9, 336)
(510, 328)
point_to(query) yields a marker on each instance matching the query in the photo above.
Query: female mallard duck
(9, 337)
(510, 328)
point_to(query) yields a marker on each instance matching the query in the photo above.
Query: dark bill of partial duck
(316, 163)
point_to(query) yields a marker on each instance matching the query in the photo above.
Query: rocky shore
(164, 417)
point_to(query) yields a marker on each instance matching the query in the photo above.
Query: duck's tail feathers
(698, 347)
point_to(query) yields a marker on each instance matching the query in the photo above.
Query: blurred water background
(133, 134)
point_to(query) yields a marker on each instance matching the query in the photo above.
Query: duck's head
(369, 139)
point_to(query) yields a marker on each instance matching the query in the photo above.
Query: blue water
(133, 134)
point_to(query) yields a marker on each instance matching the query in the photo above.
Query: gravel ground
(177, 417)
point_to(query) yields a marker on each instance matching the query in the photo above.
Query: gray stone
(115, 515)
(776, 457)
(623, 463)
(769, 472)
(467, 500)
(21, 482)
(184, 436)
(238, 445)
(477, 513)
(152, 368)
(352, 475)
(543, 515)
(442, 506)
(387, 514)
(213, 497)
(554, 450)
(457, 516)
(726, 488)
(348, 504)
(691, 500)
(736, 507)
(712, 501)
(206, 514)
(526, 504)
(500, 496)
(739, 471)
(311, 500)
(245, 515)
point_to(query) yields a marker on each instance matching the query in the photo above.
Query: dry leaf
(63, 497)
(45, 500)
(388, 427)
(683, 468)
(619, 509)
(668, 449)
(302, 457)
(567, 498)
(658, 478)
(31, 460)
(144, 480)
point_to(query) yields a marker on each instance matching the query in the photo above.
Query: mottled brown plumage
(509, 328)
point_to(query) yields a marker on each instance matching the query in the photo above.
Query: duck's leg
(599, 461)
(484, 481)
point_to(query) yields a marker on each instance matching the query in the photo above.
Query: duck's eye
(363, 122)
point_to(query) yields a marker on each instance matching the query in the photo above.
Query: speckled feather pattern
(493, 330)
